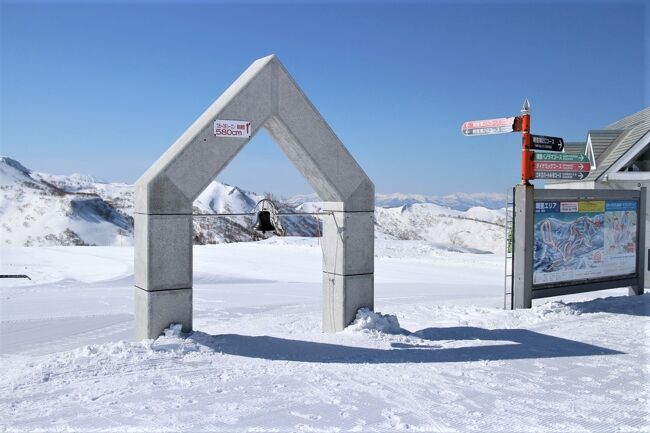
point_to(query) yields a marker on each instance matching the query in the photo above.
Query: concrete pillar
(162, 273)
(348, 266)
(523, 236)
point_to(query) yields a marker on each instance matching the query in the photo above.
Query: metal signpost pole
(527, 170)
(641, 246)
(523, 214)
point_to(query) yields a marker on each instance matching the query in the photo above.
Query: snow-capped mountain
(43, 209)
(477, 229)
(35, 211)
(459, 201)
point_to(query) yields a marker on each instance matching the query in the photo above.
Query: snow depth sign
(264, 96)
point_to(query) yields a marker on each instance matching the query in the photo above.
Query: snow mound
(174, 330)
(368, 320)
(555, 309)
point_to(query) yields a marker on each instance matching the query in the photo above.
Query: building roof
(598, 141)
(614, 144)
(578, 147)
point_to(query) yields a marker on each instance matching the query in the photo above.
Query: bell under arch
(266, 96)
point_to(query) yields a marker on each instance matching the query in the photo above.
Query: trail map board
(584, 239)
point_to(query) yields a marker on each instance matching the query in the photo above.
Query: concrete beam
(196, 158)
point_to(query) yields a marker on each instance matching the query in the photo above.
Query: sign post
(566, 241)
(527, 168)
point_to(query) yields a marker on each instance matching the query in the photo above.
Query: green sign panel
(560, 157)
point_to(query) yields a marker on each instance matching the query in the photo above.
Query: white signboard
(232, 128)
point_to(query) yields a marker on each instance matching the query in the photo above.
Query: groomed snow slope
(449, 360)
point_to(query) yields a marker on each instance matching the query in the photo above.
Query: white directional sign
(232, 128)
(489, 126)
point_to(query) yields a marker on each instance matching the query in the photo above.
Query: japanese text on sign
(232, 128)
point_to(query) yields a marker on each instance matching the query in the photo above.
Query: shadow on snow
(630, 305)
(508, 344)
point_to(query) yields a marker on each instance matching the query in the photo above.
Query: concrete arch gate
(266, 96)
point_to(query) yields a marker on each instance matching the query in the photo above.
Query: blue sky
(106, 88)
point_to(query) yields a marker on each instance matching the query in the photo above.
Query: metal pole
(527, 167)
(523, 220)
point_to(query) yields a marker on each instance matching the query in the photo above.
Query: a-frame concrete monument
(266, 96)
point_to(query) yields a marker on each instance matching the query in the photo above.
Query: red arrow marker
(560, 166)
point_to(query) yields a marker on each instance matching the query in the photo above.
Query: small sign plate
(561, 175)
(560, 157)
(232, 128)
(542, 142)
(561, 166)
(489, 126)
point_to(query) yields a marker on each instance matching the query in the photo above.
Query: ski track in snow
(259, 362)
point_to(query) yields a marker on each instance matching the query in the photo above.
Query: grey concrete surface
(524, 214)
(345, 251)
(156, 310)
(267, 96)
(343, 296)
(163, 251)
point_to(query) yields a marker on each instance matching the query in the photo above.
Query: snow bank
(368, 320)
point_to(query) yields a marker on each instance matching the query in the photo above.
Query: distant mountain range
(38, 209)
(461, 201)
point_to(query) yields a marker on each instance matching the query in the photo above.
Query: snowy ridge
(459, 201)
(35, 211)
(39, 209)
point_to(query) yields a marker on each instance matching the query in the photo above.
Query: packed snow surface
(439, 353)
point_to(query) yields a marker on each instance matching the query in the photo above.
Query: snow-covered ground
(449, 360)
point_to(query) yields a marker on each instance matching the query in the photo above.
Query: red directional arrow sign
(561, 166)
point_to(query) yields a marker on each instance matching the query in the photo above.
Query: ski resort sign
(583, 240)
(503, 125)
(232, 128)
(560, 166)
(543, 142)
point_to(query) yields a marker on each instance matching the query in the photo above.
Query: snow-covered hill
(477, 229)
(35, 211)
(461, 201)
(43, 209)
